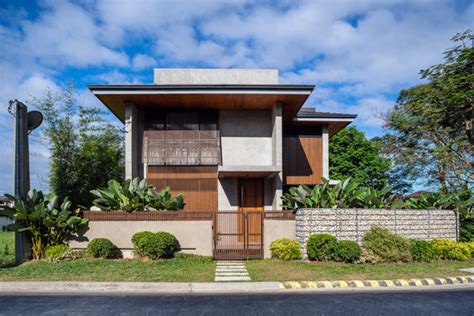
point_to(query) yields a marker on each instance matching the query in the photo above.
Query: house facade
(228, 139)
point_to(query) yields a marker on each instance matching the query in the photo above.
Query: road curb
(359, 284)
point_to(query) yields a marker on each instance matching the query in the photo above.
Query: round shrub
(321, 247)
(102, 248)
(452, 250)
(389, 247)
(156, 245)
(285, 249)
(470, 245)
(55, 253)
(422, 251)
(138, 240)
(347, 251)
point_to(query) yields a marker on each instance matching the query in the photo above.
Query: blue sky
(358, 53)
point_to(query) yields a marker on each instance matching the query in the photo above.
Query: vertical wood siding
(197, 183)
(302, 160)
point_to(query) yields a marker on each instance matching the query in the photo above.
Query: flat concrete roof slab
(166, 76)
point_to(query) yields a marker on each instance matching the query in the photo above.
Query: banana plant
(135, 195)
(45, 220)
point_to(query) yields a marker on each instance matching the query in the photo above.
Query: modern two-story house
(228, 139)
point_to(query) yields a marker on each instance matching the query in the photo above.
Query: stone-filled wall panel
(352, 224)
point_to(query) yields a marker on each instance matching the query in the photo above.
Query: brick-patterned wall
(352, 224)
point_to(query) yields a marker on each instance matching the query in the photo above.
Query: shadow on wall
(245, 123)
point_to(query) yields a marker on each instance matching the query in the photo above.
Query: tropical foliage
(46, 220)
(135, 195)
(85, 150)
(345, 194)
(431, 126)
(353, 155)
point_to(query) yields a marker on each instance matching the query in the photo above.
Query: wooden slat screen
(197, 183)
(148, 216)
(181, 147)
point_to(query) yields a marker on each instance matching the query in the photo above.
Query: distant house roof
(335, 121)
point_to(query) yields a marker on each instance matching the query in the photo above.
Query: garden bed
(275, 270)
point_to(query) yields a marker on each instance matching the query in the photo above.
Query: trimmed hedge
(103, 248)
(138, 241)
(452, 250)
(155, 245)
(321, 247)
(347, 251)
(423, 251)
(388, 246)
(285, 249)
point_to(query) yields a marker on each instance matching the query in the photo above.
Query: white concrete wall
(276, 229)
(215, 76)
(194, 236)
(246, 137)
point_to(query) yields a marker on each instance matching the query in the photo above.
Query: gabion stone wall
(352, 224)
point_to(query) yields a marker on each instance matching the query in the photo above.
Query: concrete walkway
(229, 271)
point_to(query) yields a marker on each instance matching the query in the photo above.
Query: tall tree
(85, 150)
(351, 154)
(430, 127)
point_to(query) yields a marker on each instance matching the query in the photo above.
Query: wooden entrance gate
(238, 235)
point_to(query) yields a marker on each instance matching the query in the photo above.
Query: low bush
(321, 247)
(347, 251)
(285, 249)
(422, 251)
(470, 245)
(103, 248)
(388, 246)
(138, 240)
(55, 253)
(368, 256)
(155, 245)
(451, 250)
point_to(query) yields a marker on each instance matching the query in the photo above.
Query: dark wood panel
(197, 183)
(302, 160)
(251, 200)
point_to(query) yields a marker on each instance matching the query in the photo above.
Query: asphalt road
(453, 302)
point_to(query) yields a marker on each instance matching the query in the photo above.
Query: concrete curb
(140, 288)
(135, 287)
(400, 283)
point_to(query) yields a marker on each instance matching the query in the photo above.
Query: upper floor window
(182, 120)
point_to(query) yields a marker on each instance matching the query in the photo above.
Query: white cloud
(141, 61)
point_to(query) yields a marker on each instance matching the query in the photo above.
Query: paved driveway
(453, 302)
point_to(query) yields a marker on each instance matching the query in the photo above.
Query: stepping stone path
(227, 271)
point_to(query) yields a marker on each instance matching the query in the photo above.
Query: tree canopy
(351, 154)
(430, 127)
(85, 150)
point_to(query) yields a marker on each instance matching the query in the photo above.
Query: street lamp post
(24, 122)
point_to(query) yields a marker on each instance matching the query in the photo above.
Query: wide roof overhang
(200, 97)
(334, 121)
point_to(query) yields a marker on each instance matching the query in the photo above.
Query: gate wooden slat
(238, 235)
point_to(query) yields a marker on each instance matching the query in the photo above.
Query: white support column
(277, 152)
(131, 141)
(325, 152)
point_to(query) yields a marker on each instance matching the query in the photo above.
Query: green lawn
(196, 269)
(272, 270)
(7, 248)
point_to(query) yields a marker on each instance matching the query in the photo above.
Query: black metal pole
(21, 168)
